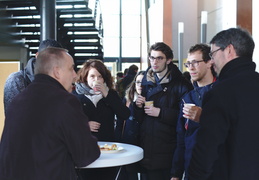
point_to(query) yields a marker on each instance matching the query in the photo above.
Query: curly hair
(100, 67)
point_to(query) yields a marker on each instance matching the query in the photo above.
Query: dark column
(48, 21)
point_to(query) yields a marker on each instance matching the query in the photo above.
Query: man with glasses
(202, 74)
(227, 143)
(165, 85)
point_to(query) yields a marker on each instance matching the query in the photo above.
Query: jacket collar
(173, 73)
(48, 79)
(237, 66)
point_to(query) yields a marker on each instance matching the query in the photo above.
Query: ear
(56, 72)
(209, 64)
(168, 61)
(37, 53)
(231, 52)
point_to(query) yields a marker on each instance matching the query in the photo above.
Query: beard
(161, 70)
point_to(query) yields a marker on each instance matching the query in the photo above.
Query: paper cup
(149, 103)
(189, 104)
(94, 88)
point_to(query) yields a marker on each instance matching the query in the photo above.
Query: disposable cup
(149, 103)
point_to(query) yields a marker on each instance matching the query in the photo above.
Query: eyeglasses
(158, 58)
(211, 53)
(194, 63)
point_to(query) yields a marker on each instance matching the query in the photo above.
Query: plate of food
(110, 148)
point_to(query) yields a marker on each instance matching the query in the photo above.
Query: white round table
(129, 154)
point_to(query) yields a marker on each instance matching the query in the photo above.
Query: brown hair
(132, 88)
(100, 67)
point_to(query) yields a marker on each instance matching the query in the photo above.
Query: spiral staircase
(79, 26)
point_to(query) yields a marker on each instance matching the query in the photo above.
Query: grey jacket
(17, 82)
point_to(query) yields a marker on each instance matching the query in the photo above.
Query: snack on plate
(107, 147)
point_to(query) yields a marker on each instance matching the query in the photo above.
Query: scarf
(82, 88)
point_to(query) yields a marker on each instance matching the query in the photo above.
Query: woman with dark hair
(127, 130)
(94, 89)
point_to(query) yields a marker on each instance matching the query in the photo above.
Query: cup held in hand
(189, 104)
(94, 88)
(149, 103)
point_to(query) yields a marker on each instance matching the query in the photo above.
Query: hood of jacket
(29, 70)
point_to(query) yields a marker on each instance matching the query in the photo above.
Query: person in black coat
(46, 132)
(226, 146)
(101, 103)
(164, 84)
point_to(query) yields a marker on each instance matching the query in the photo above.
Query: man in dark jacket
(202, 74)
(46, 134)
(165, 85)
(226, 146)
(18, 81)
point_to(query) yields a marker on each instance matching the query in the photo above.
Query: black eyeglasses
(211, 53)
(158, 58)
(194, 63)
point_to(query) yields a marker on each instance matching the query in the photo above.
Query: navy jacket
(158, 134)
(46, 134)
(186, 139)
(227, 143)
(127, 130)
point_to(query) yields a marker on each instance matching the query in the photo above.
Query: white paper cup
(94, 88)
(189, 104)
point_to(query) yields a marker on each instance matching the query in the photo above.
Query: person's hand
(101, 87)
(174, 178)
(140, 101)
(94, 126)
(192, 112)
(152, 111)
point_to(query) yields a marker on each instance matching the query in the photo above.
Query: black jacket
(46, 134)
(158, 134)
(227, 143)
(104, 113)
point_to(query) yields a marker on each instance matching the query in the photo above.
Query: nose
(191, 66)
(74, 74)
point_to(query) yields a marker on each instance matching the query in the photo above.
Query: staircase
(79, 26)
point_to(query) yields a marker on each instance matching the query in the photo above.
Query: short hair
(203, 48)
(47, 58)
(120, 74)
(133, 69)
(100, 67)
(240, 38)
(49, 43)
(164, 48)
